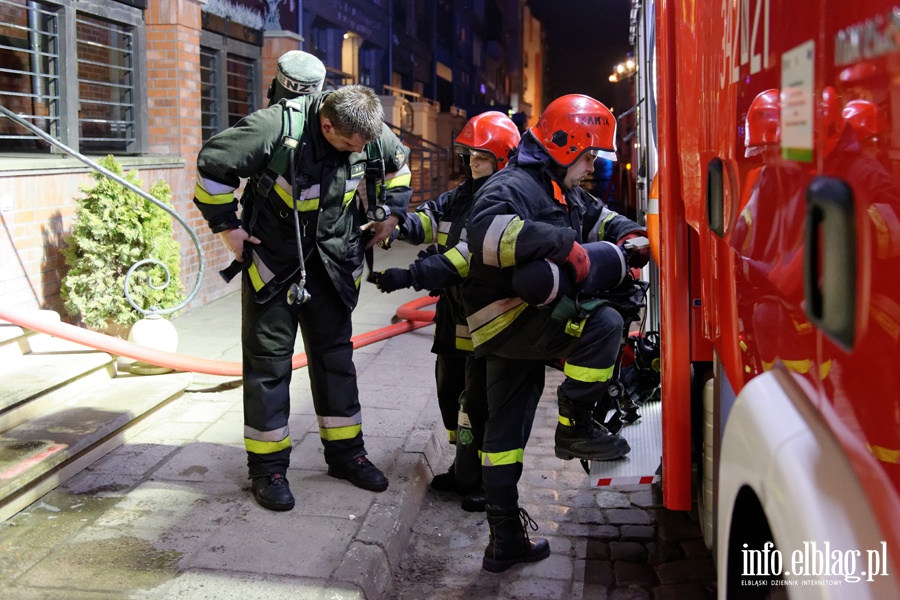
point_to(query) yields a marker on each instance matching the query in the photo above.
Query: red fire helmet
(574, 124)
(492, 132)
(763, 124)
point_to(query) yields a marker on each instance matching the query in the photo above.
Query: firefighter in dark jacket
(535, 210)
(485, 146)
(311, 199)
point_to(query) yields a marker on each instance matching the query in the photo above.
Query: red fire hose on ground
(411, 313)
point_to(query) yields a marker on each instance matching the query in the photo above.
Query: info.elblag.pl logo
(813, 564)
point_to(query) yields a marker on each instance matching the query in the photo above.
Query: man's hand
(391, 280)
(235, 238)
(578, 262)
(638, 254)
(382, 229)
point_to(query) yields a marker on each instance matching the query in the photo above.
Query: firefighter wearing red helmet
(485, 146)
(535, 210)
(762, 127)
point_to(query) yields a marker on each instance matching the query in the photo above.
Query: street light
(624, 70)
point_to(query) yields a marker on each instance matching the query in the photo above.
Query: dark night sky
(585, 40)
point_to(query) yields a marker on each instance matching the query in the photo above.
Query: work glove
(578, 262)
(391, 280)
(635, 255)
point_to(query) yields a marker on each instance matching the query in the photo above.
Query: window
(106, 120)
(230, 77)
(208, 85)
(81, 89)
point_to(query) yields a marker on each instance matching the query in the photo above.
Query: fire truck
(769, 176)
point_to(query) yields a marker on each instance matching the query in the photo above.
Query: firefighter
(534, 210)
(301, 242)
(485, 146)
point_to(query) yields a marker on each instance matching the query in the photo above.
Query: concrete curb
(377, 548)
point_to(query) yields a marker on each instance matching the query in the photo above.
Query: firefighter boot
(509, 542)
(272, 492)
(578, 435)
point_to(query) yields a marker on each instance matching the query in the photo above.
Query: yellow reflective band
(885, 454)
(465, 344)
(492, 239)
(802, 328)
(565, 421)
(305, 205)
(255, 280)
(586, 374)
(442, 238)
(206, 198)
(401, 179)
(458, 261)
(451, 436)
(602, 230)
(495, 326)
(825, 369)
(258, 447)
(335, 434)
(497, 459)
(427, 227)
(348, 196)
(508, 243)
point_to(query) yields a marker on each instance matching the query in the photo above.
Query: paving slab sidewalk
(168, 515)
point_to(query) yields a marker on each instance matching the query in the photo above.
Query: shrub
(114, 228)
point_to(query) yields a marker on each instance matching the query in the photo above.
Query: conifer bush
(113, 228)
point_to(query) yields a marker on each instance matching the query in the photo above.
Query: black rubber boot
(445, 482)
(361, 473)
(272, 492)
(474, 502)
(578, 435)
(509, 543)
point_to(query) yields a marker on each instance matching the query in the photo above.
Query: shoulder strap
(375, 172)
(293, 120)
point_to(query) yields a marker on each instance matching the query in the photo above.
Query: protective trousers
(473, 413)
(515, 381)
(450, 378)
(268, 335)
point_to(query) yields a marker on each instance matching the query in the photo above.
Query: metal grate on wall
(106, 110)
(241, 97)
(208, 91)
(29, 72)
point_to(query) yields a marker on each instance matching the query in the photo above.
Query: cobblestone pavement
(617, 543)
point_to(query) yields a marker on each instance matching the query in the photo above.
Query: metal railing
(429, 163)
(201, 256)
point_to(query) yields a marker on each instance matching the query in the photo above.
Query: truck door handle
(829, 266)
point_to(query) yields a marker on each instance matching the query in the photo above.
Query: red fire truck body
(773, 128)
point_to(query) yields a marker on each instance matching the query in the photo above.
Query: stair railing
(201, 256)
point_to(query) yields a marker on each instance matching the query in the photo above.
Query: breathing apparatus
(297, 292)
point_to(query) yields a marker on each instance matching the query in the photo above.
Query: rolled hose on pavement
(410, 314)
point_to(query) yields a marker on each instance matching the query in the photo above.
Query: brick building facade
(148, 81)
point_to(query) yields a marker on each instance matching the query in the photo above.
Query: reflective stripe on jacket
(327, 202)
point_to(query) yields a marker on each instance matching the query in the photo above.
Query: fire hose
(411, 315)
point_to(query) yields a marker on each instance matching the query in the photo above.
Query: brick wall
(173, 88)
(38, 205)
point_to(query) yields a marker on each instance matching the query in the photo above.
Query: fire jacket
(329, 208)
(521, 214)
(442, 223)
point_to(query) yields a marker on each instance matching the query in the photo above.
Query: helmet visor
(606, 154)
